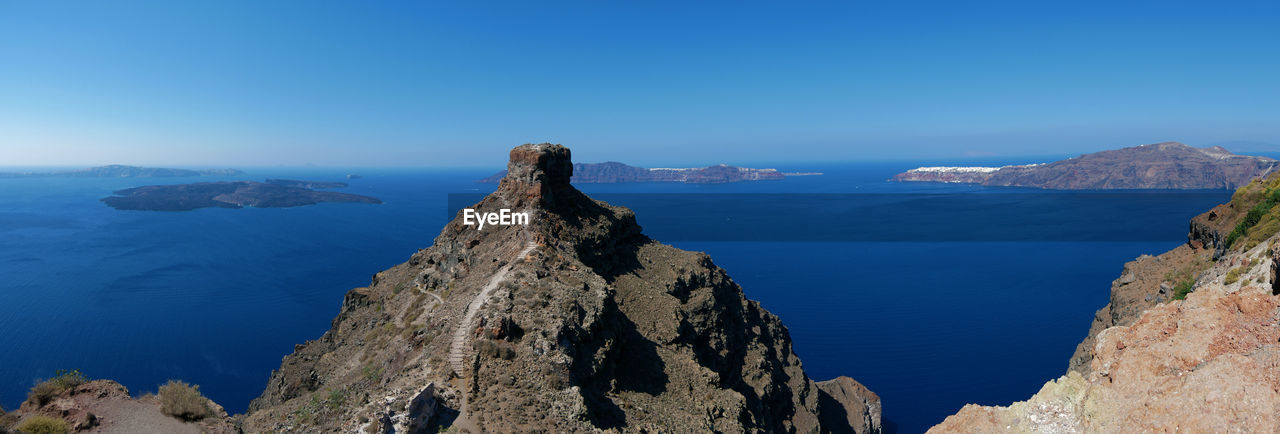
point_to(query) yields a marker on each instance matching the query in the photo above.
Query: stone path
(458, 347)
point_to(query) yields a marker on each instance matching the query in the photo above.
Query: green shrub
(1268, 201)
(335, 398)
(41, 424)
(1234, 275)
(183, 401)
(62, 381)
(1183, 288)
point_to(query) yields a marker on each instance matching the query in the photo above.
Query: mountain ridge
(1166, 165)
(123, 171)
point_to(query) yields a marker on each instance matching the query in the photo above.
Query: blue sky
(651, 83)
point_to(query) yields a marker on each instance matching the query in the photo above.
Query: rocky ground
(104, 406)
(1155, 363)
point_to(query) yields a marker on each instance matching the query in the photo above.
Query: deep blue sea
(932, 295)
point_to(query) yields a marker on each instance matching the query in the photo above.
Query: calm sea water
(217, 296)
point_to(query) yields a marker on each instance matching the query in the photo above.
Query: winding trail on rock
(458, 347)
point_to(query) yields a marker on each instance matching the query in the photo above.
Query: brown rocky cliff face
(1142, 284)
(1210, 363)
(1150, 280)
(1153, 363)
(597, 327)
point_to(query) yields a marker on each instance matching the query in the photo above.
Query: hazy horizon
(424, 85)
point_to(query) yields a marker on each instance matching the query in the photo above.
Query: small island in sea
(275, 193)
(120, 171)
(1168, 165)
(314, 185)
(612, 172)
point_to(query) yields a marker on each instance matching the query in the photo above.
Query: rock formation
(1154, 361)
(1168, 165)
(575, 322)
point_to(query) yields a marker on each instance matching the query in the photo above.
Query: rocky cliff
(1168, 165)
(575, 322)
(1188, 342)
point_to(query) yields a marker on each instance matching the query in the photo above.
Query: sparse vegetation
(1260, 222)
(498, 350)
(41, 424)
(321, 404)
(335, 398)
(1234, 275)
(62, 381)
(448, 289)
(183, 401)
(372, 373)
(1183, 288)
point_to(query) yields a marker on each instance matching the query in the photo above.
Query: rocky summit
(574, 322)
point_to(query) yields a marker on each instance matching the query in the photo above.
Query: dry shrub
(41, 424)
(62, 381)
(183, 401)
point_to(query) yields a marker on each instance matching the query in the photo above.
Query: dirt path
(458, 353)
(458, 347)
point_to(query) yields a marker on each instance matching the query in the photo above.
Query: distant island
(239, 194)
(306, 184)
(119, 171)
(1168, 165)
(614, 172)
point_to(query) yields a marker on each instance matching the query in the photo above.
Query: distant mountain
(120, 171)
(614, 172)
(1169, 165)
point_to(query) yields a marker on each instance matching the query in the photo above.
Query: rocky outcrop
(575, 322)
(1144, 283)
(612, 172)
(1206, 364)
(105, 406)
(843, 400)
(1156, 362)
(1168, 165)
(1151, 280)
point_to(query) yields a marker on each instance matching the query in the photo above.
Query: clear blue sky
(651, 83)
